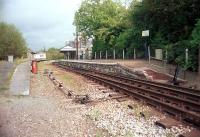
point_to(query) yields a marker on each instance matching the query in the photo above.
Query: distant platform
(93, 61)
(151, 71)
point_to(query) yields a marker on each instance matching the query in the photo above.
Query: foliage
(54, 54)
(11, 41)
(103, 20)
(96, 17)
(195, 40)
(171, 24)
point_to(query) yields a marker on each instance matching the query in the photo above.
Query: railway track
(179, 102)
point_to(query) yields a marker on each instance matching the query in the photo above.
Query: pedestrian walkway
(20, 83)
(5, 70)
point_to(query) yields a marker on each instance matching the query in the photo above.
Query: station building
(84, 50)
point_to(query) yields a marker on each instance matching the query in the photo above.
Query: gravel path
(46, 113)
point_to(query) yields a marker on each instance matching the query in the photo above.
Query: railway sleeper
(150, 92)
(177, 112)
(152, 104)
(177, 103)
(195, 99)
(166, 93)
(192, 121)
(155, 97)
(182, 105)
(172, 89)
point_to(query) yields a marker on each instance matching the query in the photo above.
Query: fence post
(114, 54)
(68, 55)
(95, 55)
(100, 54)
(106, 54)
(186, 56)
(149, 53)
(123, 53)
(134, 54)
(199, 60)
(165, 63)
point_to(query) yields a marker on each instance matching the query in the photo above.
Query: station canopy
(67, 48)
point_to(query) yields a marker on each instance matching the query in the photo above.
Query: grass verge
(5, 87)
(68, 79)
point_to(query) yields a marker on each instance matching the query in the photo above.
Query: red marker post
(34, 67)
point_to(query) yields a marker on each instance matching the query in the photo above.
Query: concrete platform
(20, 83)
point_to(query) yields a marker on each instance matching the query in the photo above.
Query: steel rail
(180, 108)
(152, 83)
(173, 91)
(185, 95)
(187, 104)
(176, 111)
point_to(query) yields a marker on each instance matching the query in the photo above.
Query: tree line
(54, 54)
(174, 25)
(11, 42)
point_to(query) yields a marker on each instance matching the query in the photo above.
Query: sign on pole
(145, 33)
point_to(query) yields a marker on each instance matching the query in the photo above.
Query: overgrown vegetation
(11, 42)
(174, 26)
(54, 54)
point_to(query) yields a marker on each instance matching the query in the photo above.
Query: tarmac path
(20, 83)
(5, 69)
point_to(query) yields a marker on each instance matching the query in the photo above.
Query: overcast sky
(44, 23)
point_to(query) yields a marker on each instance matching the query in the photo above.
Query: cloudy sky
(44, 23)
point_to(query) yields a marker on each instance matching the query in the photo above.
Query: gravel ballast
(48, 113)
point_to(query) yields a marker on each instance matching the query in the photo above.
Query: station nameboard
(145, 33)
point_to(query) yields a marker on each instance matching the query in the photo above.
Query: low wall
(100, 67)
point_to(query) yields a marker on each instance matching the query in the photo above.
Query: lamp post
(77, 45)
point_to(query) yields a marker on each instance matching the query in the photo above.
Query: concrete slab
(20, 83)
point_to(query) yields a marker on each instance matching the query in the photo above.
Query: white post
(68, 55)
(95, 55)
(199, 61)
(10, 58)
(165, 63)
(100, 54)
(149, 53)
(134, 54)
(106, 54)
(123, 53)
(114, 54)
(186, 56)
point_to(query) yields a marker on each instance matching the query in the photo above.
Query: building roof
(67, 48)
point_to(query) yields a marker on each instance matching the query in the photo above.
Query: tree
(103, 20)
(11, 41)
(54, 53)
(95, 16)
(171, 24)
(195, 37)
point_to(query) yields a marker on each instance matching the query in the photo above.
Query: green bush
(54, 54)
(11, 42)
